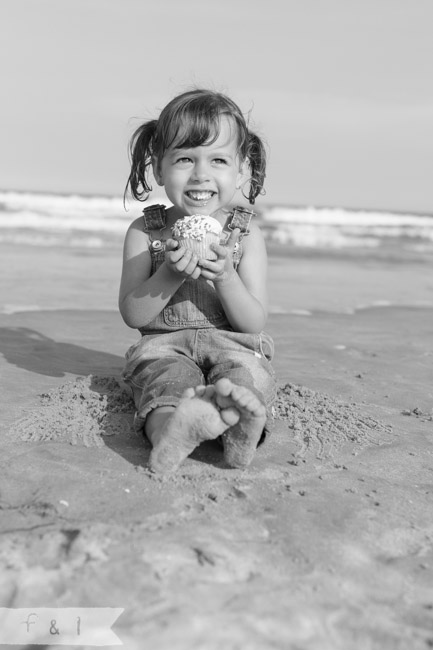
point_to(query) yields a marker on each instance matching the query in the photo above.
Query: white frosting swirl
(196, 226)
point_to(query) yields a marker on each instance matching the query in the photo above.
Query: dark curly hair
(193, 119)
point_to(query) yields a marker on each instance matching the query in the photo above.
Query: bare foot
(197, 418)
(241, 440)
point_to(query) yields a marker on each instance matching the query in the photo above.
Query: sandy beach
(324, 543)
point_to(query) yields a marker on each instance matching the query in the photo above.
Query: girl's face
(202, 179)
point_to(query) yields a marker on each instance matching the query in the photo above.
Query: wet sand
(324, 543)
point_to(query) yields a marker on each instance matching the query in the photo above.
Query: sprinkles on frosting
(195, 226)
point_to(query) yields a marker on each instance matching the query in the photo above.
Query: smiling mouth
(204, 195)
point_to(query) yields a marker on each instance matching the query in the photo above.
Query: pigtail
(257, 161)
(141, 148)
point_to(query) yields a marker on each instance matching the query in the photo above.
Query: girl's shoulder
(136, 227)
(136, 238)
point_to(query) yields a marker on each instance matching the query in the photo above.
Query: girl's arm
(142, 296)
(243, 293)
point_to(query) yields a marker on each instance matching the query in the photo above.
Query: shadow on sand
(26, 348)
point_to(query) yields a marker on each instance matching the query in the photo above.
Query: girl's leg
(158, 379)
(156, 423)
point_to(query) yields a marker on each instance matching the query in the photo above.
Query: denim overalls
(191, 342)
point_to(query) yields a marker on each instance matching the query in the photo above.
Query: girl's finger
(208, 264)
(181, 262)
(196, 273)
(191, 267)
(220, 251)
(171, 244)
(188, 263)
(174, 256)
(206, 275)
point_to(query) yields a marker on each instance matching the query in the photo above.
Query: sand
(324, 543)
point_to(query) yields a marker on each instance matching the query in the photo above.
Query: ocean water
(39, 219)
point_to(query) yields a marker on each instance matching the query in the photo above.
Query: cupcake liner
(201, 247)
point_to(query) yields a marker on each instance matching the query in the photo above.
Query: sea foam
(40, 219)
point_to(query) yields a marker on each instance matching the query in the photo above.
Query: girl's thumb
(233, 239)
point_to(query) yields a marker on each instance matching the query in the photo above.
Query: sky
(340, 90)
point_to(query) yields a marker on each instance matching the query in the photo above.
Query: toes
(245, 398)
(188, 393)
(223, 387)
(230, 416)
(228, 395)
(223, 402)
(198, 391)
(209, 392)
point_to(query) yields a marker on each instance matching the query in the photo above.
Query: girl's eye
(184, 159)
(220, 161)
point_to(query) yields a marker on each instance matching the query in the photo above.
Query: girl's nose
(200, 172)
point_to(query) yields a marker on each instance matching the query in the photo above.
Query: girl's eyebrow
(223, 151)
(175, 152)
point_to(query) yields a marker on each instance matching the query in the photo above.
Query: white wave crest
(95, 221)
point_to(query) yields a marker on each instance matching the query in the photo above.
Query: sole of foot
(241, 440)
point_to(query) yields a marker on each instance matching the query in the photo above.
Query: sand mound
(79, 412)
(322, 424)
(86, 409)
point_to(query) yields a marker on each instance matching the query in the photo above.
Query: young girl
(202, 368)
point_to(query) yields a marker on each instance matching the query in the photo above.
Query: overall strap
(154, 217)
(241, 218)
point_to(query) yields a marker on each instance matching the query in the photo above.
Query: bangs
(192, 130)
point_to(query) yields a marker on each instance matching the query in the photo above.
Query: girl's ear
(156, 168)
(244, 174)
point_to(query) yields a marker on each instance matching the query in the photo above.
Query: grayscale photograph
(216, 324)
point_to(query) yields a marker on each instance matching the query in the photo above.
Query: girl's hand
(181, 261)
(222, 269)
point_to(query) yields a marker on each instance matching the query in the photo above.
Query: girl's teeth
(200, 196)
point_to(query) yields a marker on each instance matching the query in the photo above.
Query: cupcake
(197, 233)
